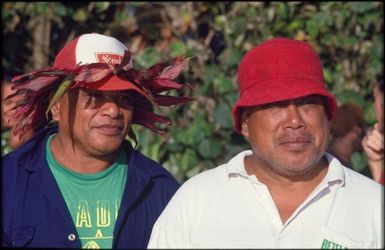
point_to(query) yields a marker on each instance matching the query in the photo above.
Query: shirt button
(71, 237)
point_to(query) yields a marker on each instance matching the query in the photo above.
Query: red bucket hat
(98, 62)
(277, 70)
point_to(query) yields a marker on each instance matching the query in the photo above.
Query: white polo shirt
(226, 208)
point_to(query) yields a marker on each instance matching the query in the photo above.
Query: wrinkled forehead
(315, 98)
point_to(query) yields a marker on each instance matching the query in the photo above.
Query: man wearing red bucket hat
(285, 192)
(80, 184)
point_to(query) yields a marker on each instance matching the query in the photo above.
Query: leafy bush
(347, 35)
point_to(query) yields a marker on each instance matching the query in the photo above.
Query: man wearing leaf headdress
(80, 183)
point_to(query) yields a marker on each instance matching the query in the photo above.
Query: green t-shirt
(92, 199)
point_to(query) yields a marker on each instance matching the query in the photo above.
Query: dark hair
(347, 116)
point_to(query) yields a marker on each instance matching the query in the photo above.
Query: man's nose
(293, 117)
(111, 107)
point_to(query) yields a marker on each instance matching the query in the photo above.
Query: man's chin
(109, 146)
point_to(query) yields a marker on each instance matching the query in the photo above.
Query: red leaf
(132, 75)
(154, 70)
(148, 120)
(174, 69)
(163, 100)
(162, 84)
(143, 115)
(125, 63)
(43, 72)
(93, 73)
(36, 84)
(25, 77)
(31, 115)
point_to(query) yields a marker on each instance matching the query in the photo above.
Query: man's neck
(79, 161)
(309, 179)
(289, 192)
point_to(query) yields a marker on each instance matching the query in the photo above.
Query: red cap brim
(113, 83)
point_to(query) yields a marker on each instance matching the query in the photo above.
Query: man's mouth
(110, 129)
(295, 143)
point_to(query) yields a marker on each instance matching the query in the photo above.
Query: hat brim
(273, 91)
(113, 83)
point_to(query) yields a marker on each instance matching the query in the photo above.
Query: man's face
(357, 133)
(288, 137)
(94, 122)
(379, 107)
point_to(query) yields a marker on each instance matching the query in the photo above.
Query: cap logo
(108, 58)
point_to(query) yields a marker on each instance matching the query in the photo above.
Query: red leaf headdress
(31, 92)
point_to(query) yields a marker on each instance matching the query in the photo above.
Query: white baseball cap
(95, 48)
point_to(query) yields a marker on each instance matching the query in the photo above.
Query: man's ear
(55, 111)
(244, 124)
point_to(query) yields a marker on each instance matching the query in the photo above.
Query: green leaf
(328, 75)
(154, 151)
(377, 51)
(80, 15)
(350, 96)
(60, 91)
(211, 73)
(323, 19)
(132, 136)
(222, 84)
(60, 10)
(222, 115)
(220, 22)
(174, 146)
(370, 114)
(189, 159)
(361, 7)
(177, 48)
(41, 8)
(229, 58)
(251, 13)
(192, 172)
(194, 133)
(210, 148)
(101, 6)
(5, 147)
(294, 25)
(312, 28)
(239, 23)
(148, 57)
(359, 161)
(231, 97)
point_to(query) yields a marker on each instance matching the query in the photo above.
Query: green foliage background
(347, 35)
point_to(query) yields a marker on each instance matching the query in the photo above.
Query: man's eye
(305, 102)
(308, 101)
(278, 105)
(94, 95)
(125, 99)
(281, 104)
